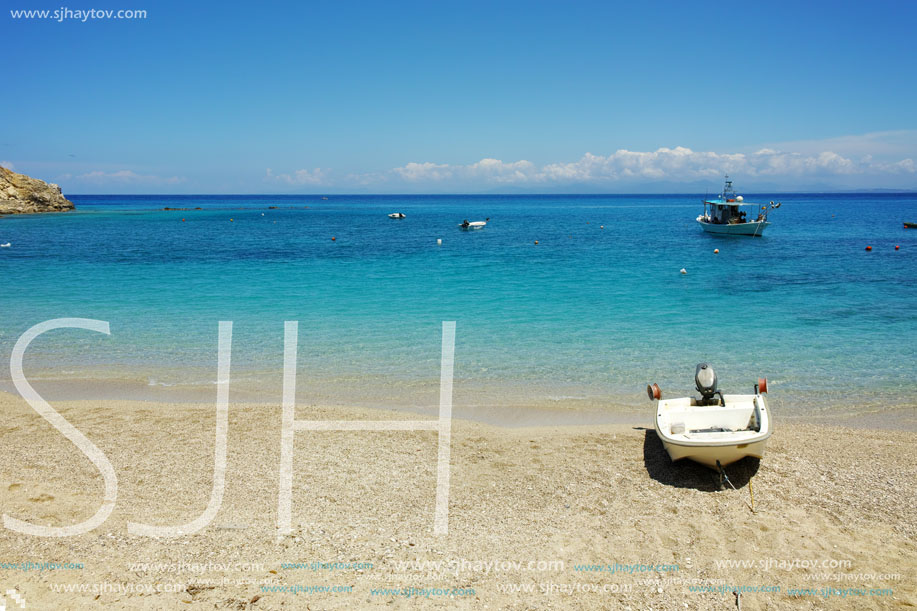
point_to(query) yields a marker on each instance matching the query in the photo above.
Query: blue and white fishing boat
(725, 214)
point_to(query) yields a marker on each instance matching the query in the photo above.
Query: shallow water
(585, 318)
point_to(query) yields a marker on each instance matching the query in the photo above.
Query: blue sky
(464, 96)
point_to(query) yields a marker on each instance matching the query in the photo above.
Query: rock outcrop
(20, 194)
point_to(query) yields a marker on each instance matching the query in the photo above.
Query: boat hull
(709, 455)
(754, 228)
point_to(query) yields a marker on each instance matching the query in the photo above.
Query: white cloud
(414, 172)
(498, 171)
(487, 170)
(123, 177)
(8, 165)
(668, 164)
(299, 177)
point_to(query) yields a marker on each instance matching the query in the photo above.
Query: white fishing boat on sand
(716, 429)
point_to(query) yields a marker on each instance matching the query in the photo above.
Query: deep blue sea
(585, 318)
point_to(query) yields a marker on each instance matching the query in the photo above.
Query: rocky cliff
(20, 194)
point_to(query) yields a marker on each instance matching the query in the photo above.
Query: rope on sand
(725, 478)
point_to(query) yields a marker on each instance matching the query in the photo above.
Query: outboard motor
(705, 382)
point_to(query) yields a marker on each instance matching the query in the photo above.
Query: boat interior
(688, 418)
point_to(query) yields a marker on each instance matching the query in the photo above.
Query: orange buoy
(762, 385)
(536, 241)
(897, 247)
(333, 238)
(869, 248)
(183, 220)
(653, 391)
(716, 251)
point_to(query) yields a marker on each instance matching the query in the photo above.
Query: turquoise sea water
(586, 317)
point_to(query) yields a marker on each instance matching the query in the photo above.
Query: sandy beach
(544, 517)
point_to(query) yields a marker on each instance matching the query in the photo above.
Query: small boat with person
(716, 429)
(396, 215)
(725, 214)
(466, 225)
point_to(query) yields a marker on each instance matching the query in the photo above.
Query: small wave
(155, 382)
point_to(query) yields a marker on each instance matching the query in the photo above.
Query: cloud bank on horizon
(679, 164)
(871, 160)
(878, 160)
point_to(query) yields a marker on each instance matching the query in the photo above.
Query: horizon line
(874, 191)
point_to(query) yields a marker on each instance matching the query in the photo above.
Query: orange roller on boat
(653, 391)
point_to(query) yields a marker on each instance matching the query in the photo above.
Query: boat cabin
(726, 209)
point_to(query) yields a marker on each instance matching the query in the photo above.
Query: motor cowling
(705, 380)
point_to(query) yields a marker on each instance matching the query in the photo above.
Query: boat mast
(727, 190)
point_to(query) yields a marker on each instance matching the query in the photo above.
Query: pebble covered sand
(529, 510)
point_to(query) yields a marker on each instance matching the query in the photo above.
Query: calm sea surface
(586, 317)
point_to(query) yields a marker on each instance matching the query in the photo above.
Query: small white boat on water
(396, 215)
(716, 429)
(725, 215)
(466, 225)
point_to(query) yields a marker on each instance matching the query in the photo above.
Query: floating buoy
(262, 214)
(684, 271)
(230, 220)
(869, 248)
(536, 241)
(601, 226)
(716, 251)
(333, 238)
(183, 220)
(439, 241)
(896, 247)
